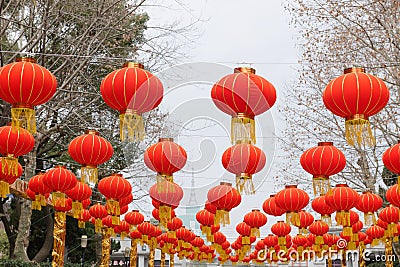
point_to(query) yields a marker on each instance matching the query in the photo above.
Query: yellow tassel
(319, 240)
(24, 118)
(255, 232)
(369, 219)
(89, 174)
(327, 219)
(77, 209)
(97, 225)
(244, 184)
(293, 218)
(351, 246)
(165, 187)
(375, 242)
(58, 199)
(347, 231)
(115, 220)
(321, 185)
(282, 241)
(243, 129)
(358, 131)
(9, 165)
(354, 237)
(81, 224)
(4, 189)
(131, 126)
(41, 199)
(221, 217)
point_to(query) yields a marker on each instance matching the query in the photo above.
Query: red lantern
(41, 190)
(270, 207)
(356, 96)
(169, 197)
(271, 240)
(300, 241)
(245, 231)
(114, 187)
(256, 220)
(132, 91)
(375, 232)
(206, 219)
(281, 229)
(90, 150)
(369, 203)
(7, 178)
(292, 200)
(83, 218)
(98, 212)
(123, 229)
(243, 95)
(322, 161)
(63, 208)
(390, 215)
(59, 180)
(319, 228)
(353, 218)
(244, 160)
(225, 198)
(25, 84)
(391, 160)
(342, 198)
(210, 207)
(14, 142)
(320, 206)
(305, 220)
(79, 193)
(134, 218)
(165, 158)
(393, 196)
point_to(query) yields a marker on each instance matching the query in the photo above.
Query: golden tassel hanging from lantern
(243, 129)
(358, 131)
(23, 117)
(4, 189)
(171, 260)
(105, 247)
(133, 254)
(77, 209)
(59, 239)
(131, 126)
(244, 184)
(222, 218)
(89, 174)
(361, 250)
(321, 185)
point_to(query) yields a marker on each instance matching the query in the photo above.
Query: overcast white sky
(231, 32)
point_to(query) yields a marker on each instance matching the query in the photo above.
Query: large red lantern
(393, 196)
(244, 160)
(322, 161)
(243, 95)
(114, 187)
(165, 158)
(14, 142)
(41, 190)
(356, 96)
(98, 212)
(369, 203)
(6, 178)
(90, 150)
(319, 205)
(25, 84)
(79, 193)
(342, 198)
(292, 200)
(131, 91)
(270, 207)
(225, 198)
(59, 180)
(391, 160)
(256, 220)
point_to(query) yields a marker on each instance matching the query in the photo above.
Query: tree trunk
(48, 240)
(24, 225)
(7, 228)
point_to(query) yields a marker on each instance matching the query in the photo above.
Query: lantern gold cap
(291, 186)
(133, 65)
(92, 132)
(354, 70)
(225, 183)
(26, 59)
(342, 185)
(255, 210)
(325, 143)
(272, 195)
(244, 70)
(166, 139)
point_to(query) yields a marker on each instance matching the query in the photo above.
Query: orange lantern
(90, 150)
(281, 229)
(25, 84)
(243, 95)
(322, 161)
(244, 160)
(132, 91)
(356, 96)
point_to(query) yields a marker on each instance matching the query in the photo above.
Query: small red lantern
(90, 150)
(256, 220)
(206, 219)
(356, 96)
(244, 160)
(98, 212)
(320, 206)
(322, 161)
(393, 196)
(114, 187)
(270, 207)
(391, 160)
(390, 215)
(41, 190)
(59, 180)
(369, 203)
(165, 158)
(305, 220)
(14, 142)
(132, 91)
(225, 198)
(292, 200)
(342, 198)
(281, 229)
(83, 218)
(243, 95)
(79, 193)
(245, 231)
(7, 178)
(134, 218)
(375, 232)
(319, 228)
(25, 84)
